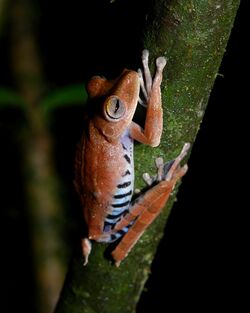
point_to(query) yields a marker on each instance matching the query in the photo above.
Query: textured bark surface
(193, 36)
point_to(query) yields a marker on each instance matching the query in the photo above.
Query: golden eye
(114, 108)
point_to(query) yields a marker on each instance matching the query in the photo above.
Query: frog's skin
(104, 162)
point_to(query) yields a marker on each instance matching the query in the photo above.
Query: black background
(198, 266)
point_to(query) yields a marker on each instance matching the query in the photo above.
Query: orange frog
(104, 163)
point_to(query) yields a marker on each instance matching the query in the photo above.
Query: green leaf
(67, 96)
(10, 98)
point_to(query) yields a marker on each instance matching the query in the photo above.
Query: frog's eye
(114, 108)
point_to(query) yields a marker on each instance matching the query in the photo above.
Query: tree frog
(104, 163)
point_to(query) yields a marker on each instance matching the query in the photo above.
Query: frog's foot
(168, 171)
(175, 171)
(149, 205)
(150, 180)
(146, 81)
(161, 169)
(86, 249)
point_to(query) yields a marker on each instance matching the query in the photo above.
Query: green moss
(193, 36)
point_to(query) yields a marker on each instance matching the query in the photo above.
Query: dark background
(198, 264)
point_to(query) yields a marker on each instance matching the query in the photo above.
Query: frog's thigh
(148, 207)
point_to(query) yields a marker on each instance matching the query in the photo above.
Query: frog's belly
(124, 189)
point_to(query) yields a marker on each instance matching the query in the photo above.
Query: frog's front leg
(151, 90)
(148, 206)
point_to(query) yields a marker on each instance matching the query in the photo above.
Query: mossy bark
(193, 36)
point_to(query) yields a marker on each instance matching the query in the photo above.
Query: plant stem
(3, 5)
(44, 205)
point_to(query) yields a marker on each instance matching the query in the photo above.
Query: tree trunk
(193, 36)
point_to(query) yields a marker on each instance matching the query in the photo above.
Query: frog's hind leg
(149, 205)
(114, 235)
(105, 238)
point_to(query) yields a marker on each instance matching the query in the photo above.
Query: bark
(193, 36)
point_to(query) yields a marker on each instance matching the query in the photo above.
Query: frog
(104, 170)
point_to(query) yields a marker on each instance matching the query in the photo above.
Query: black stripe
(122, 232)
(109, 224)
(113, 237)
(112, 217)
(123, 195)
(124, 185)
(124, 147)
(120, 205)
(127, 158)
(126, 173)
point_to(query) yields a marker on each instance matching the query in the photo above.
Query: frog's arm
(151, 134)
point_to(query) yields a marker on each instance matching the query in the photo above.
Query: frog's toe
(161, 63)
(160, 167)
(161, 174)
(143, 91)
(147, 178)
(175, 168)
(145, 55)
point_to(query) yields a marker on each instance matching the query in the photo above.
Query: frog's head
(119, 103)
